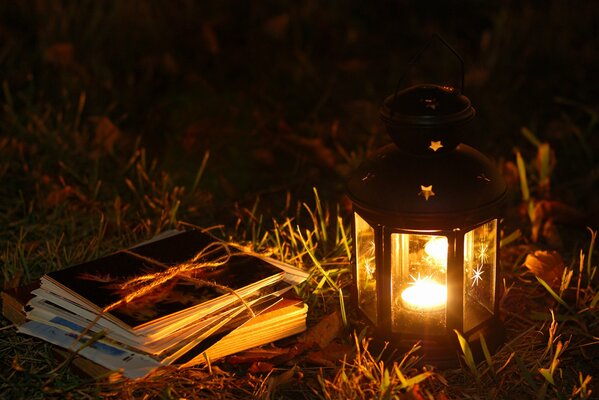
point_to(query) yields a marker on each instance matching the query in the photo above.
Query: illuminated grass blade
(483, 344)
(527, 133)
(467, 355)
(522, 173)
(553, 294)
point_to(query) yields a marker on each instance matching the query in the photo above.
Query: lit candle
(424, 294)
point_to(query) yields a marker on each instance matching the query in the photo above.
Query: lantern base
(442, 352)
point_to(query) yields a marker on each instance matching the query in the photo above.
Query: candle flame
(424, 294)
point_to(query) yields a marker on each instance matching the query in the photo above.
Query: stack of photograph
(236, 301)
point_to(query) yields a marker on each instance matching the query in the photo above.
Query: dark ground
(285, 95)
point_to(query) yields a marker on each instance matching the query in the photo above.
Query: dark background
(285, 94)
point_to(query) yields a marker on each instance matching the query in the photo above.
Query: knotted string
(144, 284)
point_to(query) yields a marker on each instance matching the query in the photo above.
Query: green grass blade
(413, 381)
(591, 249)
(468, 357)
(547, 375)
(321, 215)
(531, 137)
(522, 173)
(545, 167)
(342, 308)
(344, 237)
(525, 373)
(515, 235)
(200, 172)
(553, 294)
(487, 353)
(315, 261)
(595, 300)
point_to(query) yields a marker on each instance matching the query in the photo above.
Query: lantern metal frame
(469, 193)
(439, 347)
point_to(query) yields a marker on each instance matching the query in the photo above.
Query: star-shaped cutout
(435, 145)
(477, 274)
(426, 191)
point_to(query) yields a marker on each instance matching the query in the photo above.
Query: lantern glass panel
(366, 267)
(479, 274)
(419, 282)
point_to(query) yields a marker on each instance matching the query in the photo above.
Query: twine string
(141, 285)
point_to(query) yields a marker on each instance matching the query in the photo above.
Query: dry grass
(76, 181)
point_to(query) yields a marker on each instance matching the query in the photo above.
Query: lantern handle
(422, 50)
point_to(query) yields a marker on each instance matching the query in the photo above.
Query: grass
(542, 357)
(105, 145)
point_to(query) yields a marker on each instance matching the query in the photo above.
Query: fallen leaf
(414, 394)
(106, 134)
(58, 195)
(353, 65)
(16, 365)
(321, 153)
(256, 355)
(546, 212)
(561, 212)
(551, 235)
(275, 382)
(210, 39)
(260, 367)
(547, 265)
(60, 54)
(330, 355)
(263, 157)
(510, 175)
(277, 26)
(323, 332)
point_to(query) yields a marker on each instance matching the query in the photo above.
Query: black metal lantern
(426, 217)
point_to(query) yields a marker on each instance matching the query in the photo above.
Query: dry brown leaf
(260, 367)
(59, 195)
(106, 134)
(547, 265)
(551, 235)
(256, 355)
(321, 153)
(330, 355)
(323, 332)
(547, 212)
(264, 157)
(16, 365)
(561, 212)
(277, 26)
(210, 39)
(353, 65)
(60, 54)
(287, 377)
(510, 174)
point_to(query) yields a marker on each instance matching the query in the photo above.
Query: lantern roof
(455, 189)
